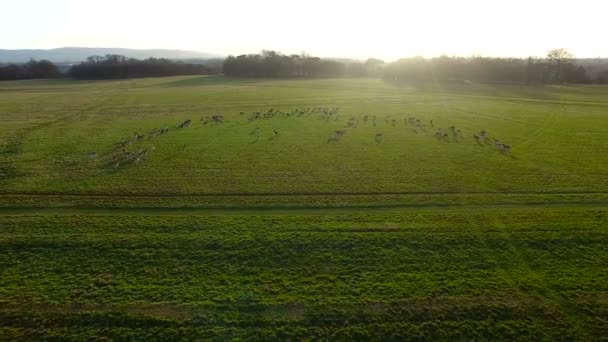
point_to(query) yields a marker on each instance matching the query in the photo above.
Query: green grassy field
(232, 231)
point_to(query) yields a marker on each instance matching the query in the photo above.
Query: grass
(534, 272)
(555, 145)
(218, 234)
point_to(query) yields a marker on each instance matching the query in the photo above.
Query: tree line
(559, 66)
(117, 66)
(30, 70)
(275, 64)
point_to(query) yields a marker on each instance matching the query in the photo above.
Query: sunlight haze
(358, 29)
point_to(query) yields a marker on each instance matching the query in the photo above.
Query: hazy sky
(380, 28)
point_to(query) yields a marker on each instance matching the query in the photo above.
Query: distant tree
(42, 69)
(372, 62)
(557, 58)
(602, 77)
(116, 66)
(373, 66)
(356, 69)
(574, 74)
(534, 70)
(11, 72)
(487, 70)
(274, 64)
(29, 70)
(95, 59)
(412, 70)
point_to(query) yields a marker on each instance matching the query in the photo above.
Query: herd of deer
(416, 125)
(325, 113)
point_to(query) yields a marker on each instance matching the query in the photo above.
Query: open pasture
(49, 129)
(454, 273)
(217, 208)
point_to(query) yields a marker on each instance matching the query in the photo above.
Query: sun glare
(360, 29)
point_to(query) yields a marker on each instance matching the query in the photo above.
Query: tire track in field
(397, 98)
(17, 139)
(286, 210)
(447, 95)
(410, 91)
(547, 294)
(549, 122)
(495, 117)
(312, 194)
(516, 263)
(13, 148)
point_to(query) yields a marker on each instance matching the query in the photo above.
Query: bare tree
(557, 59)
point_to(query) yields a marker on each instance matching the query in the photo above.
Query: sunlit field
(219, 208)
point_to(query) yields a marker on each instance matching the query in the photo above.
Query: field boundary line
(191, 210)
(298, 194)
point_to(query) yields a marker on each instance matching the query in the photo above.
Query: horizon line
(224, 55)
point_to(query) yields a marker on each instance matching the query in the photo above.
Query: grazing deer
(379, 137)
(336, 136)
(504, 148)
(183, 124)
(482, 136)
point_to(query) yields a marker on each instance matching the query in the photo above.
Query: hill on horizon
(78, 54)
